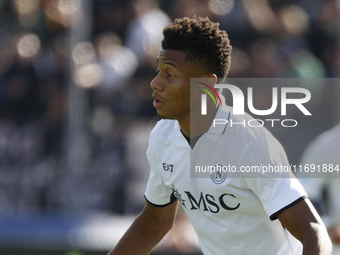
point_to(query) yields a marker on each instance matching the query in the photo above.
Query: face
(172, 84)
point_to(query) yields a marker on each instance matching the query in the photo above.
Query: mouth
(157, 102)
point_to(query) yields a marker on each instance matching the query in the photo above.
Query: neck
(196, 124)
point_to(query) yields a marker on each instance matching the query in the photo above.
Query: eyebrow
(171, 64)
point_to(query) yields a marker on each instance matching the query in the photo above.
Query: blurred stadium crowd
(47, 75)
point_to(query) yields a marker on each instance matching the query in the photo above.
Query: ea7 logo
(168, 167)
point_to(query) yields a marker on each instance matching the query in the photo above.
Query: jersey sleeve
(157, 193)
(276, 187)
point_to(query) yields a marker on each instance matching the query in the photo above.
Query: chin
(163, 115)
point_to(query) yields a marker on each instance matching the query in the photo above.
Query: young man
(231, 215)
(325, 150)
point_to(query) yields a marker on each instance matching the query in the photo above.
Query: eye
(170, 75)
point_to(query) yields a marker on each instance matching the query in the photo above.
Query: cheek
(185, 99)
(183, 96)
(179, 90)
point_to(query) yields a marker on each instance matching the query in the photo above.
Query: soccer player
(324, 152)
(233, 213)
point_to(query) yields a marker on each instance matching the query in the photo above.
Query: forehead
(171, 56)
(177, 59)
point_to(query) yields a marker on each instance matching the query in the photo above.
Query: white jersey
(231, 213)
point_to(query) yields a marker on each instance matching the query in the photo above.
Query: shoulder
(163, 127)
(245, 133)
(164, 140)
(329, 137)
(253, 133)
(324, 148)
(254, 143)
(163, 130)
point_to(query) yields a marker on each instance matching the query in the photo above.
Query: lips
(157, 102)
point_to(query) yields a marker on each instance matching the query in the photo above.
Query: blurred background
(76, 108)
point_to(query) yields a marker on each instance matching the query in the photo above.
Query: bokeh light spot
(123, 61)
(69, 7)
(26, 6)
(221, 7)
(83, 53)
(295, 19)
(107, 43)
(88, 76)
(28, 45)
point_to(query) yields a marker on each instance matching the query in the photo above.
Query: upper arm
(161, 214)
(147, 230)
(301, 219)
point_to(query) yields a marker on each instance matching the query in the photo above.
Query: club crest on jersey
(218, 177)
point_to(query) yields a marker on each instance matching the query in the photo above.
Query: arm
(147, 230)
(334, 234)
(304, 223)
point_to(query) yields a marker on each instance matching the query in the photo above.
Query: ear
(210, 79)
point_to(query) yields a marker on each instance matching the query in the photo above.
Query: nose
(156, 83)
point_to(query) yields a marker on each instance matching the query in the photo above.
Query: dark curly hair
(202, 41)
